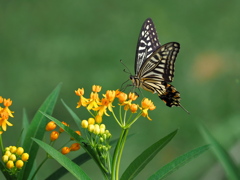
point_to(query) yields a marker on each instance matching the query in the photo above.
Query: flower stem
(39, 167)
(118, 153)
(1, 143)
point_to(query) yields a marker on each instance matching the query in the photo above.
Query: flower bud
(13, 157)
(75, 147)
(25, 156)
(91, 121)
(84, 124)
(65, 150)
(19, 151)
(98, 119)
(54, 135)
(50, 126)
(10, 164)
(19, 164)
(5, 158)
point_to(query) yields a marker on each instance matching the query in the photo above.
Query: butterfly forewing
(147, 43)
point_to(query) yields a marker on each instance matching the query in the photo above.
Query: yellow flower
(25, 156)
(93, 101)
(132, 96)
(84, 124)
(102, 109)
(91, 121)
(10, 164)
(110, 95)
(98, 119)
(82, 101)
(147, 105)
(4, 120)
(19, 164)
(5, 113)
(96, 88)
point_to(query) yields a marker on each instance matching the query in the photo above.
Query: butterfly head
(135, 80)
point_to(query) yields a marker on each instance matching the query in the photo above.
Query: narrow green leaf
(84, 144)
(81, 159)
(74, 169)
(37, 129)
(178, 162)
(143, 159)
(73, 114)
(229, 166)
(25, 125)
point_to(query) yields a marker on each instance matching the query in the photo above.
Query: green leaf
(230, 167)
(73, 114)
(74, 169)
(84, 144)
(143, 159)
(178, 162)
(81, 159)
(37, 129)
(25, 125)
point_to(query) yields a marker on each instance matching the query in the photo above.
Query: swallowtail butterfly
(154, 65)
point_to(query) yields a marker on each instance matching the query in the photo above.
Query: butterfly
(154, 65)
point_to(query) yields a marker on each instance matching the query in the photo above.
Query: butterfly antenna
(184, 108)
(128, 71)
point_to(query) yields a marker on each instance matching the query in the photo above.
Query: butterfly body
(154, 65)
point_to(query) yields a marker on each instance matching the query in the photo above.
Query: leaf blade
(146, 156)
(178, 162)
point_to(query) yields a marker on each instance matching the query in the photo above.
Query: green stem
(39, 167)
(118, 154)
(1, 144)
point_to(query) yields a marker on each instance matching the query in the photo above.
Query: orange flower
(93, 101)
(147, 105)
(60, 129)
(133, 108)
(7, 102)
(96, 88)
(132, 96)
(65, 150)
(121, 96)
(50, 126)
(78, 132)
(54, 135)
(82, 101)
(110, 95)
(75, 147)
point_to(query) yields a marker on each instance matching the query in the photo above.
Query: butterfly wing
(160, 65)
(147, 43)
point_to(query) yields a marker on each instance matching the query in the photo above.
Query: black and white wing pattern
(147, 43)
(154, 65)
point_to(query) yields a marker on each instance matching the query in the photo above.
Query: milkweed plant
(92, 140)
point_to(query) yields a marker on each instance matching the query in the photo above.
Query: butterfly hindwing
(160, 64)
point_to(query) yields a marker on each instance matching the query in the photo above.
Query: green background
(80, 43)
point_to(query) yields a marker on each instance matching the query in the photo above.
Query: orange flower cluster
(5, 113)
(101, 106)
(55, 135)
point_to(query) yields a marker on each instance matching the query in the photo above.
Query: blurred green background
(80, 43)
